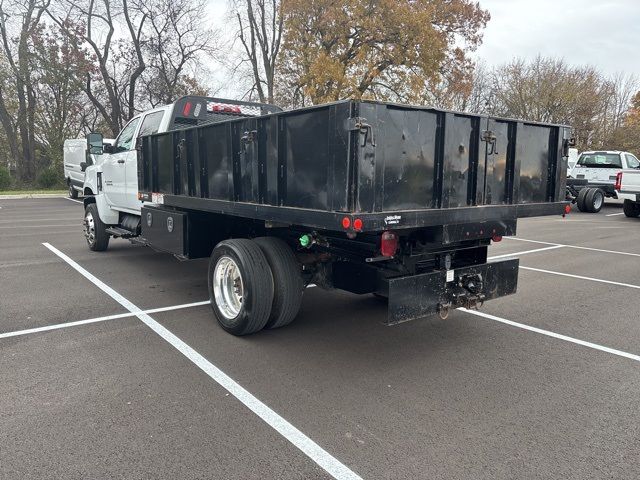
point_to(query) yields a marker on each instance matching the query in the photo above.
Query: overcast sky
(603, 33)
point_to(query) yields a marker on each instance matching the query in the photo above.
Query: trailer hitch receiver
(472, 283)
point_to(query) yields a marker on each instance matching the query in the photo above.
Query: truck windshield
(600, 160)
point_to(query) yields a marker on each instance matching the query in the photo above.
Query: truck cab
(112, 203)
(599, 168)
(112, 179)
(593, 178)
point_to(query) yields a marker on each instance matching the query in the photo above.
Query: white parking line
(58, 326)
(72, 200)
(316, 453)
(57, 225)
(591, 279)
(526, 252)
(27, 220)
(574, 246)
(559, 336)
(614, 214)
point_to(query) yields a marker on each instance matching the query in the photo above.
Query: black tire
(256, 282)
(581, 196)
(631, 209)
(73, 193)
(95, 233)
(594, 200)
(287, 280)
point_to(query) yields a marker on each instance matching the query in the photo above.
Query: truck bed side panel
(360, 158)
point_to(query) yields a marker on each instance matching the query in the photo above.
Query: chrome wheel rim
(597, 202)
(228, 288)
(89, 228)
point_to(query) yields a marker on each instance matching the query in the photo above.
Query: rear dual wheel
(590, 200)
(254, 284)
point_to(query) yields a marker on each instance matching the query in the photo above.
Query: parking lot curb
(32, 195)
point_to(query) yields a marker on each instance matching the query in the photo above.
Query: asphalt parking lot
(543, 385)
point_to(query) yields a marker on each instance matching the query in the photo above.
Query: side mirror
(83, 166)
(95, 144)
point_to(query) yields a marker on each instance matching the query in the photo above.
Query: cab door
(114, 167)
(150, 125)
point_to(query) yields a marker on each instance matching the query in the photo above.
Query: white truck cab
(600, 168)
(112, 179)
(112, 206)
(593, 177)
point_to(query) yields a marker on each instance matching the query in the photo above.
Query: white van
(75, 152)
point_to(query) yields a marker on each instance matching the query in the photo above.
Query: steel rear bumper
(436, 292)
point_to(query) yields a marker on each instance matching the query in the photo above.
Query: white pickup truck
(628, 189)
(594, 176)
(112, 205)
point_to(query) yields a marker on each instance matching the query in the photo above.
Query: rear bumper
(428, 293)
(625, 195)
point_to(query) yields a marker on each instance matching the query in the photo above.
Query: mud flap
(425, 294)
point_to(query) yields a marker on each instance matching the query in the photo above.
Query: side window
(124, 141)
(151, 123)
(632, 162)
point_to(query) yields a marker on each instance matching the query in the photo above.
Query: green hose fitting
(306, 240)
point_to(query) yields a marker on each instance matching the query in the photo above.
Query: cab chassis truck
(397, 201)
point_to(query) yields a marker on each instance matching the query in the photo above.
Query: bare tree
(120, 63)
(260, 25)
(177, 40)
(19, 21)
(550, 90)
(61, 65)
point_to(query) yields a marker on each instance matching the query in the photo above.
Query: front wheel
(631, 209)
(240, 286)
(73, 193)
(94, 230)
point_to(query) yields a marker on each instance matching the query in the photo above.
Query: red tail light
(187, 109)
(388, 244)
(357, 224)
(618, 185)
(496, 238)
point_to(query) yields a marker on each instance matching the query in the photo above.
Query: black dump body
(391, 166)
(339, 182)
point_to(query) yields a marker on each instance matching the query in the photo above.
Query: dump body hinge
(491, 139)
(566, 144)
(366, 130)
(249, 136)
